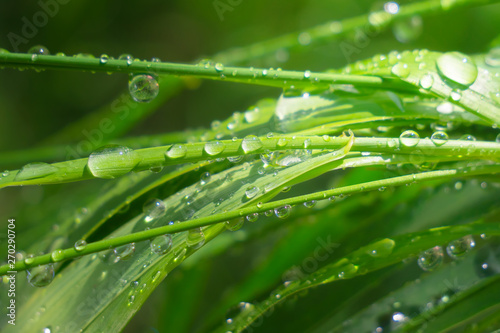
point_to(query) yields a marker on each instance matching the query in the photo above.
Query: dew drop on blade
(112, 161)
(40, 276)
(161, 244)
(143, 88)
(457, 67)
(431, 259)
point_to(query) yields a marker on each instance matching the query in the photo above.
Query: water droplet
(57, 255)
(252, 217)
(179, 253)
(252, 116)
(104, 59)
(459, 247)
(112, 161)
(307, 143)
(154, 169)
(408, 30)
(439, 138)
(283, 212)
(251, 192)
(493, 57)
(282, 142)
(5, 173)
(391, 7)
(381, 248)
(219, 67)
(267, 158)
(307, 74)
(445, 108)
(235, 224)
(431, 259)
(310, 204)
(131, 299)
(143, 88)
(457, 67)
(195, 238)
(468, 137)
(456, 95)
(214, 147)
(84, 55)
(29, 259)
(35, 170)
(127, 57)
(215, 125)
(235, 159)
(426, 81)
(401, 70)
(176, 151)
(409, 138)
(154, 209)
(251, 143)
(155, 276)
(80, 245)
(497, 140)
(161, 244)
(205, 178)
(124, 252)
(304, 38)
(40, 276)
(39, 49)
(80, 214)
(399, 317)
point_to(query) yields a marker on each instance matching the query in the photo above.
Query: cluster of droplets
(120, 253)
(281, 212)
(456, 69)
(143, 88)
(432, 258)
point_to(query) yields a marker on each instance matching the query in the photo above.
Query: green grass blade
(360, 262)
